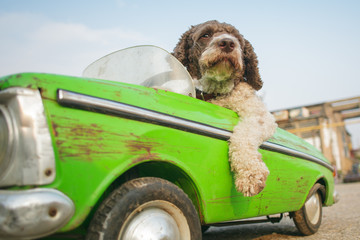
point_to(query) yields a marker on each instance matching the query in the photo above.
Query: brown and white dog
(225, 71)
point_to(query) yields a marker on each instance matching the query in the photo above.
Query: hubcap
(313, 208)
(155, 220)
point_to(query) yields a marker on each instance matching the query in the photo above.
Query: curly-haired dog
(225, 72)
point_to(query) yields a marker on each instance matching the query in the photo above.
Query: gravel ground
(340, 221)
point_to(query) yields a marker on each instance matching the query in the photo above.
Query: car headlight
(26, 152)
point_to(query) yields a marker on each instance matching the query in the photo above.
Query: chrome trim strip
(294, 153)
(91, 103)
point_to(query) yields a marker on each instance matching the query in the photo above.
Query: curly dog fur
(225, 71)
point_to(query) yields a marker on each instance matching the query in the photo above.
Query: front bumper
(33, 213)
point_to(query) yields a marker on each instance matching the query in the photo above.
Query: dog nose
(226, 45)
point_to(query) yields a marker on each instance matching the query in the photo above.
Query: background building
(323, 125)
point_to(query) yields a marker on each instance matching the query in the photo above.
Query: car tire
(308, 218)
(204, 228)
(146, 208)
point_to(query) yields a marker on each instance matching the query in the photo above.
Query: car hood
(144, 97)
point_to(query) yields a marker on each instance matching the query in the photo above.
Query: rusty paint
(54, 129)
(52, 212)
(80, 130)
(136, 145)
(43, 93)
(85, 152)
(118, 94)
(144, 157)
(83, 142)
(157, 90)
(48, 172)
(143, 149)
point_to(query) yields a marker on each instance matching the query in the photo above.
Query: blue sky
(308, 50)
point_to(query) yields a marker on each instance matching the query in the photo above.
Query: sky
(308, 50)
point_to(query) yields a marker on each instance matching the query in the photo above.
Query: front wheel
(308, 218)
(146, 208)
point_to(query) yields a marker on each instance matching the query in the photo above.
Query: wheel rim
(313, 208)
(155, 220)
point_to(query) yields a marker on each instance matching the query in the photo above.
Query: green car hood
(154, 99)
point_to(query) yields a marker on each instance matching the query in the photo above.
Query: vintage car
(127, 152)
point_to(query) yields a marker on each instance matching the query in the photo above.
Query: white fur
(256, 126)
(212, 50)
(218, 75)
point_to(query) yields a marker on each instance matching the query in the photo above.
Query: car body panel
(94, 149)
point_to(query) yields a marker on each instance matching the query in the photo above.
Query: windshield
(148, 66)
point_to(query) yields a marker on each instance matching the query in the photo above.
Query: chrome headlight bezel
(29, 156)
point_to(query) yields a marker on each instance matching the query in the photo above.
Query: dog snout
(226, 44)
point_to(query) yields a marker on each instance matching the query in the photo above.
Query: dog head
(218, 56)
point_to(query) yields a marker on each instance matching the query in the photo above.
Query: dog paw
(254, 190)
(251, 190)
(251, 185)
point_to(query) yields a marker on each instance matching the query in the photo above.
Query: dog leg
(256, 126)
(249, 170)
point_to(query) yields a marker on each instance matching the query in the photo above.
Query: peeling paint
(142, 149)
(54, 129)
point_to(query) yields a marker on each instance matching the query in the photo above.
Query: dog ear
(251, 73)
(181, 50)
(184, 52)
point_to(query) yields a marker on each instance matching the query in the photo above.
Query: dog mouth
(224, 68)
(226, 61)
(229, 62)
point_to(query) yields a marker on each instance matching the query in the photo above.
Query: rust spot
(136, 146)
(54, 129)
(52, 212)
(85, 141)
(43, 92)
(48, 172)
(143, 149)
(82, 130)
(59, 142)
(150, 156)
(157, 90)
(118, 94)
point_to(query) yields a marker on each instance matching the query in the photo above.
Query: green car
(127, 152)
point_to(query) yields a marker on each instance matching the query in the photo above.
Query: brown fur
(189, 49)
(224, 66)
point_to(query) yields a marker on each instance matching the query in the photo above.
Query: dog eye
(205, 36)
